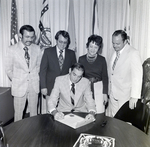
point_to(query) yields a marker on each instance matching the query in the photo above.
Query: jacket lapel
(54, 57)
(78, 93)
(123, 57)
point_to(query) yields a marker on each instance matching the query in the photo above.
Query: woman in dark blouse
(96, 71)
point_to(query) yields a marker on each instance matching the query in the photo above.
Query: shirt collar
(57, 49)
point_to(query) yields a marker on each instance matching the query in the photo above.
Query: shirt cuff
(92, 111)
(50, 111)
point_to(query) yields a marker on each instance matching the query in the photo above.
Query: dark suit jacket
(50, 69)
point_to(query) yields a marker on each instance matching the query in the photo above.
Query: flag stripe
(71, 26)
(44, 34)
(14, 23)
(93, 22)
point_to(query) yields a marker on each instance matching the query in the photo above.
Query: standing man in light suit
(22, 67)
(125, 74)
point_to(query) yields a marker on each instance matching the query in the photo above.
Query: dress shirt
(58, 53)
(115, 55)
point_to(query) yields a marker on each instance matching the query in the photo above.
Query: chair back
(146, 116)
(138, 117)
(2, 136)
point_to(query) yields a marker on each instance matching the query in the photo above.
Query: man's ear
(20, 36)
(69, 70)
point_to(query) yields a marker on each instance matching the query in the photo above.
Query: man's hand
(44, 91)
(105, 98)
(132, 103)
(91, 115)
(59, 115)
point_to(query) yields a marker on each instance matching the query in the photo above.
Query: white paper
(75, 121)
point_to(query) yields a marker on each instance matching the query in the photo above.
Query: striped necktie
(116, 59)
(72, 93)
(26, 55)
(60, 59)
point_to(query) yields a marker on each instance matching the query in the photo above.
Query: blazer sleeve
(43, 69)
(136, 74)
(54, 97)
(74, 60)
(105, 77)
(90, 103)
(9, 63)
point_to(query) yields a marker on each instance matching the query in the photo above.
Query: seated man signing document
(72, 92)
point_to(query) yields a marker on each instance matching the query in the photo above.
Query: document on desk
(75, 121)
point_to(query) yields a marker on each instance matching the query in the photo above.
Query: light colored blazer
(126, 79)
(18, 71)
(61, 92)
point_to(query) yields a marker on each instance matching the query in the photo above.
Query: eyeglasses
(62, 42)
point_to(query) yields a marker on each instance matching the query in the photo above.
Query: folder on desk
(75, 121)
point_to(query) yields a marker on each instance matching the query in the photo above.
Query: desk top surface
(43, 131)
(4, 90)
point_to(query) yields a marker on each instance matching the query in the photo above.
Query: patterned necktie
(26, 55)
(116, 59)
(60, 59)
(72, 92)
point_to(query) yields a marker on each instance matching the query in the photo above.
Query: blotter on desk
(75, 121)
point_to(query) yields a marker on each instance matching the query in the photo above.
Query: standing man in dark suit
(56, 61)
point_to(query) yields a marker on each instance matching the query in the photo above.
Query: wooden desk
(43, 131)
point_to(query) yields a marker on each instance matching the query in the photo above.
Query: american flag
(44, 34)
(14, 23)
(71, 26)
(95, 25)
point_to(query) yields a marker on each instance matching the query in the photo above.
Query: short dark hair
(65, 35)
(27, 28)
(95, 38)
(78, 66)
(122, 33)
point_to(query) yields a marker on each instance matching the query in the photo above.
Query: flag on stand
(95, 25)
(44, 35)
(71, 26)
(14, 24)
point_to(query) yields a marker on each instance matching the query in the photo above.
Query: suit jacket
(18, 71)
(50, 68)
(125, 80)
(61, 92)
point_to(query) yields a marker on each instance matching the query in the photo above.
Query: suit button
(29, 72)
(112, 74)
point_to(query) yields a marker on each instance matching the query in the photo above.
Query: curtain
(111, 15)
(140, 27)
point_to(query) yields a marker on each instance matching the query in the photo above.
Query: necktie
(116, 59)
(26, 55)
(60, 59)
(72, 93)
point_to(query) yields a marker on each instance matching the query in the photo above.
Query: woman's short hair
(98, 40)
